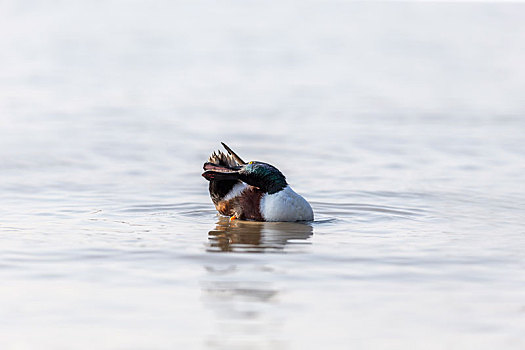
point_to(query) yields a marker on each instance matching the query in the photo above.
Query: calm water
(402, 123)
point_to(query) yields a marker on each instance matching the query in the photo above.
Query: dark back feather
(219, 189)
(220, 158)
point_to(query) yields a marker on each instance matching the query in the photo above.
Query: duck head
(258, 174)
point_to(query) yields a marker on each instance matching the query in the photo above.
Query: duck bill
(214, 172)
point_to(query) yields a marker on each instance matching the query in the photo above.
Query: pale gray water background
(402, 123)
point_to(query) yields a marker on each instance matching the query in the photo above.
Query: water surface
(401, 123)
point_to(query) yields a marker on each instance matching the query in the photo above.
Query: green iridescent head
(265, 176)
(224, 170)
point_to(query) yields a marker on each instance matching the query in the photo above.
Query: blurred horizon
(364, 58)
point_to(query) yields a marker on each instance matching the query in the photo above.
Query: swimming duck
(252, 191)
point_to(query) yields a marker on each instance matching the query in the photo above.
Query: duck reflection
(246, 310)
(256, 237)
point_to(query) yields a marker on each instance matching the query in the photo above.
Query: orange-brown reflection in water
(250, 236)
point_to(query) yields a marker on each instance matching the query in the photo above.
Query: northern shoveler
(252, 191)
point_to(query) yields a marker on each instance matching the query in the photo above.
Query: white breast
(235, 191)
(285, 205)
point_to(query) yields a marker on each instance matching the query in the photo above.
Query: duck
(254, 191)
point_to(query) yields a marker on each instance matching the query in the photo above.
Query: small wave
(326, 212)
(164, 207)
(352, 209)
(325, 220)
